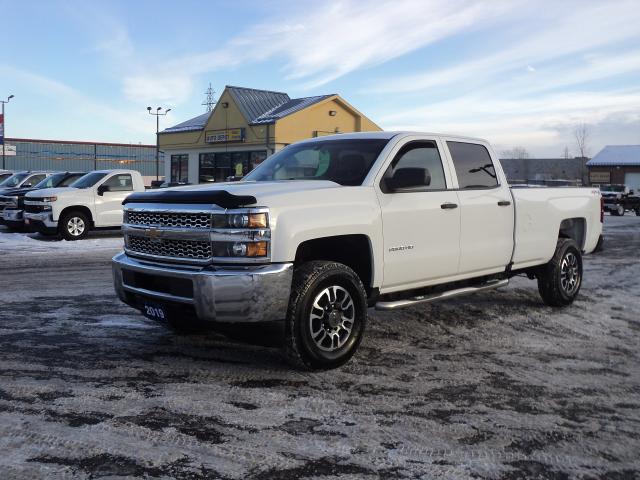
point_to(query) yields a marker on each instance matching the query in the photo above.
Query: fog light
(239, 249)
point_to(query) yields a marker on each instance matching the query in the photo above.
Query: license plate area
(155, 311)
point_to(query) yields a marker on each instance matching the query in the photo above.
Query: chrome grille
(181, 249)
(166, 219)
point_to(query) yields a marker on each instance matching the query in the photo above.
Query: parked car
(18, 180)
(329, 226)
(13, 200)
(92, 201)
(619, 199)
(24, 179)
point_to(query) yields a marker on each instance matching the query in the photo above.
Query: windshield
(51, 181)
(612, 188)
(346, 162)
(14, 180)
(89, 180)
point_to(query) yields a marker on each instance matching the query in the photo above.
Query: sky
(518, 73)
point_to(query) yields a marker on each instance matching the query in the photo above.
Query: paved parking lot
(491, 386)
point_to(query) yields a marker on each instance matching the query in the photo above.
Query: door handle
(448, 205)
(504, 203)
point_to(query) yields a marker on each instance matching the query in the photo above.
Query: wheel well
(353, 251)
(573, 228)
(77, 208)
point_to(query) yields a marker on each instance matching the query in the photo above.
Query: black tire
(637, 212)
(618, 212)
(559, 281)
(74, 225)
(324, 283)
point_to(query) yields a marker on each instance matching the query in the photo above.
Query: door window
(473, 165)
(120, 183)
(33, 180)
(422, 162)
(179, 168)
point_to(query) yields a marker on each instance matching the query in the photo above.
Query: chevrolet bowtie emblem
(152, 232)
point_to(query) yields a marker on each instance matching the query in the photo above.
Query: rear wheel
(619, 211)
(559, 281)
(327, 315)
(74, 226)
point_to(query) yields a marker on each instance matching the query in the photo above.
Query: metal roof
(254, 103)
(258, 107)
(287, 108)
(197, 123)
(616, 155)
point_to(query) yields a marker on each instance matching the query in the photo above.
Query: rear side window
(120, 183)
(473, 165)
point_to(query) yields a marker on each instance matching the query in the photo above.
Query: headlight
(241, 220)
(241, 234)
(49, 199)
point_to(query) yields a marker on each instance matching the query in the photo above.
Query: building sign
(9, 150)
(1, 129)
(600, 177)
(224, 136)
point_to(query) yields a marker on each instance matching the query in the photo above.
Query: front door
(109, 203)
(486, 235)
(421, 224)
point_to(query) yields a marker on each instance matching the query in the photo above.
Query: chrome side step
(392, 305)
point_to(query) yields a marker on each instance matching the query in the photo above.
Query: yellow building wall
(316, 118)
(221, 118)
(295, 127)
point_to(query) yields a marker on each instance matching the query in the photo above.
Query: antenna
(209, 101)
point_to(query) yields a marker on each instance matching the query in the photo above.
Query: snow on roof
(197, 123)
(616, 155)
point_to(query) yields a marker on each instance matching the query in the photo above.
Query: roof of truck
(385, 135)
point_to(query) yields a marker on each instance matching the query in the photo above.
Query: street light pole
(157, 114)
(4, 122)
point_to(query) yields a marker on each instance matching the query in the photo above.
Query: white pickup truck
(92, 201)
(327, 227)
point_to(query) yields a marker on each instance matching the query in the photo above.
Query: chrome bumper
(45, 218)
(220, 294)
(12, 215)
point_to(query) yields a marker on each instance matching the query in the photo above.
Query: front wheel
(619, 211)
(327, 315)
(559, 281)
(74, 226)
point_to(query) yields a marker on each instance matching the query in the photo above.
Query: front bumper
(41, 222)
(217, 294)
(13, 217)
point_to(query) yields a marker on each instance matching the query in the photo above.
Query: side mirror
(631, 192)
(409, 178)
(103, 188)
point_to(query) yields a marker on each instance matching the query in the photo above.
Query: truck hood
(231, 194)
(51, 192)
(15, 192)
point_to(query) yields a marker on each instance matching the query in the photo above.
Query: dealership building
(616, 164)
(246, 126)
(66, 155)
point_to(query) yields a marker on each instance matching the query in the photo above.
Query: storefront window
(179, 168)
(218, 167)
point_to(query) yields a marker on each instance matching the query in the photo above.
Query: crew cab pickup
(618, 199)
(92, 201)
(13, 200)
(329, 226)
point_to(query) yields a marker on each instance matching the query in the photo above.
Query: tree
(516, 152)
(581, 134)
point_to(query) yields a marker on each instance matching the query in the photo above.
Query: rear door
(421, 225)
(486, 209)
(109, 204)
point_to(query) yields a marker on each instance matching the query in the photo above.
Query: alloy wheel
(75, 226)
(332, 317)
(570, 273)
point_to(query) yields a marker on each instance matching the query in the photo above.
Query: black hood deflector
(199, 197)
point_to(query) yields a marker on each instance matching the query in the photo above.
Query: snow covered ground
(490, 386)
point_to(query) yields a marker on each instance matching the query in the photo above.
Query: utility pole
(209, 101)
(2, 129)
(158, 114)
